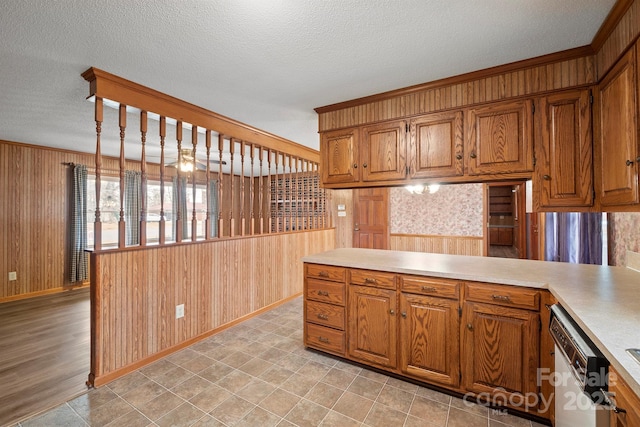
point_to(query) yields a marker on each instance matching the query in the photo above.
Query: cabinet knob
(404, 314)
(355, 166)
(546, 177)
(364, 165)
(472, 155)
(459, 156)
(629, 162)
(392, 312)
(470, 326)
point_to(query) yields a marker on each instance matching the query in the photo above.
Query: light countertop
(604, 301)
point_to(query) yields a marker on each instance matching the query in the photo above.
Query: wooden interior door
(371, 218)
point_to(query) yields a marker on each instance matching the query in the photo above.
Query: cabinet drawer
(509, 296)
(325, 314)
(430, 286)
(325, 338)
(326, 272)
(373, 278)
(319, 290)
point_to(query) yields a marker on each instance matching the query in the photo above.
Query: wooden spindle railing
(275, 190)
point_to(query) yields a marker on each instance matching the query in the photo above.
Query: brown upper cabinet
(564, 153)
(339, 156)
(364, 155)
(618, 136)
(383, 151)
(499, 138)
(436, 145)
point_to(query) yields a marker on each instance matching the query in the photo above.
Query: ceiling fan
(187, 163)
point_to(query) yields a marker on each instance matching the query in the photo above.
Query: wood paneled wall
(452, 245)
(463, 91)
(34, 209)
(621, 35)
(218, 282)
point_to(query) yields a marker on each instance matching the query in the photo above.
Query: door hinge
(460, 311)
(406, 127)
(590, 97)
(533, 107)
(406, 170)
(534, 160)
(539, 325)
(459, 376)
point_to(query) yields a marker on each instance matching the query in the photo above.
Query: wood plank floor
(44, 353)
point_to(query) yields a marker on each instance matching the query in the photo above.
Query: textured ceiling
(267, 63)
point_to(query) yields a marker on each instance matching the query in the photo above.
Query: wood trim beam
(108, 86)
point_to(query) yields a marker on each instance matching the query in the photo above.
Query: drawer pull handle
(323, 274)
(324, 340)
(504, 298)
(323, 293)
(370, 280)
(323, 317)
(429, 289)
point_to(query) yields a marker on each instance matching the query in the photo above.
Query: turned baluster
(207, 219)
(252, 224)
(121, 222)
(97, 225)
(181, 190)
(143, 179)
(232, 223)
(194, 215)
(220, 186)
(242, 212)
(163, 134)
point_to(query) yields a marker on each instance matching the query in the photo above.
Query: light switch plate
(13, 275)
(179, 311)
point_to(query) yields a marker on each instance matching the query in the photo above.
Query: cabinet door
(339, 154)
(564, 166)
(429, 339)
(372, 325)
(501, 352)
(435, 148)
(383, 152)
(619, 134)
(499, 138)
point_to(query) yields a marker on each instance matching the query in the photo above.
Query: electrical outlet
(13, 275)
(179, 311)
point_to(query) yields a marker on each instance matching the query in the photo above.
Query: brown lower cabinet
(472, 338)
(627, 404)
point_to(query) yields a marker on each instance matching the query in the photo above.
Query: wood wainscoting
(452, 245)
(135, 293)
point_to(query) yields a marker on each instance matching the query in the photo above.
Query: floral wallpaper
(454, 210)
(624, 235)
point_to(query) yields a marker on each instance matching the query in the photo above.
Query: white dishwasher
(581, 375)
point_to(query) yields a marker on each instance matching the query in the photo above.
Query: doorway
(506, 230)
(371, 218)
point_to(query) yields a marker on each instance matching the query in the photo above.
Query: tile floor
(258, 373)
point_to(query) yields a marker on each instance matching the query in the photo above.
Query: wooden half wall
(220, 282)
(452, 245)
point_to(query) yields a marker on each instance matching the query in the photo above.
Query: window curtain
(574, 237)
(79, 258)
(212, 202)
(132, 206)
(180, 203)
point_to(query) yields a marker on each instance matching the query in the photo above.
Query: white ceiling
(267, 63)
